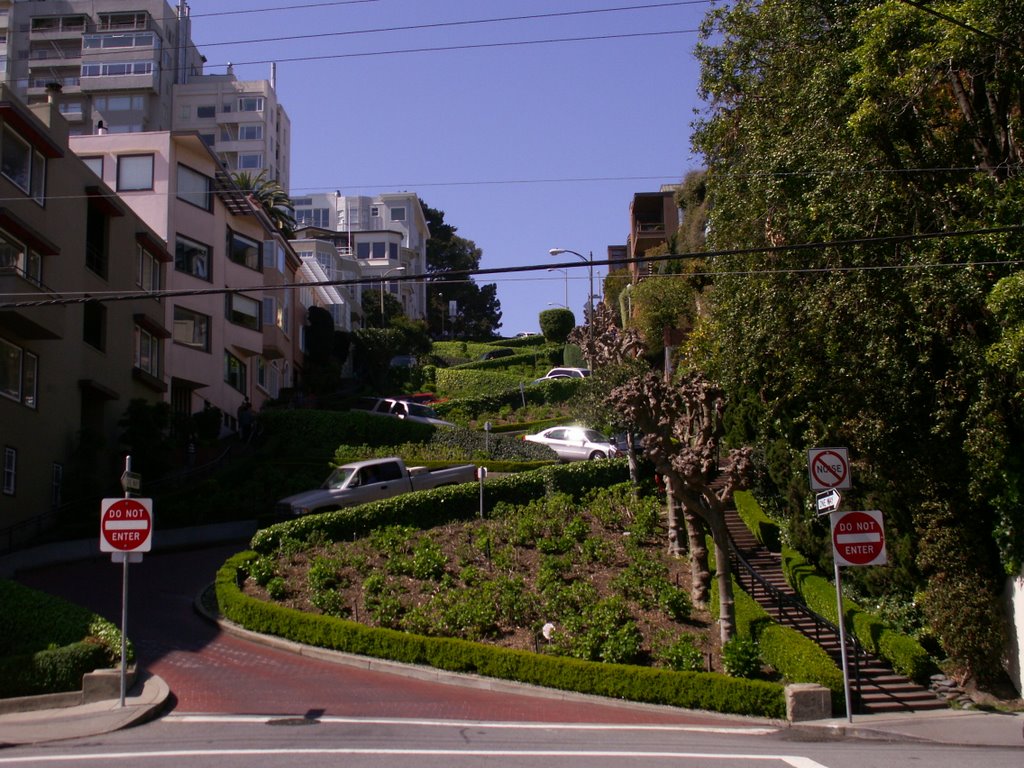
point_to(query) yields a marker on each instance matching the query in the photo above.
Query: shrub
(683, 655)
(741, 658)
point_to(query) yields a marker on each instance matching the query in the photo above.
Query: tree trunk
(675, 548)
(727, 606)
(700, 571)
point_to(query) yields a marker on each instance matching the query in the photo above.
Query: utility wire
(441, 277)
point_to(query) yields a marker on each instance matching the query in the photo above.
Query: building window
(19, 371)
(234, 372)
(191, 329)
(250, 104)
(244, 251)
(94, 325)
(195, 188)
(10, 470)
(241, 310)
(380, 250)
(96, 256)
(23, 166)
(95, 164)
(206, 110)
(248, 161)
(192, 258)
(147, 270)
(117, 69)
(393, 251)
(362, 250)
(125, 103)
(251, 132)
(147, 352)
(208, 139)
(398, 214)
(17, 259)
(134, 172)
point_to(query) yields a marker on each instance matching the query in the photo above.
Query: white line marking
(858, 538)
(718, 729)
(796, 761)
(126, 525)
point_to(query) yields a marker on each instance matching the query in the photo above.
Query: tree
(850, 122)
(556, 324)
(450, 260)
(271, 197)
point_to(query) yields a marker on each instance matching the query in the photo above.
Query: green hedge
(473, 404)
(680, 689)
(906, 655)
(426, 509)
(765, 530)
(48, 643)
(453, 382)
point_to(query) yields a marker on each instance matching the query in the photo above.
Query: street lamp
(590, 296)
(565, 274)
(383, 275)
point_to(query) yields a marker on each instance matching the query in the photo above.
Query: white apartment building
(241, 120)
(385, 236)
(116, 61)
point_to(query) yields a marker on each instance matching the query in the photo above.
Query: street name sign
(126, 525)
(828, 468)
(858, 538)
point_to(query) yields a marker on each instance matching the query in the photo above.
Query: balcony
(45, 322)
(275, 343)
(58, 28)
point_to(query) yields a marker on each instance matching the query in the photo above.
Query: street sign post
(829, 468)
(126, 525)
(828, 501)
(858, 538)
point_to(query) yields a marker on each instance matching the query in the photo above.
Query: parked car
(493, 354)
(575, 443)
(564, 373)
(402, 409)
(364, 481)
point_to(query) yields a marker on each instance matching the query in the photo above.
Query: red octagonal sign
(126, 525)
(858, 538)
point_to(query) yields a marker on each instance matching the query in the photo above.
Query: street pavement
(192, 662)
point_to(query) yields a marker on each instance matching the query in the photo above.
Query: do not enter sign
(126, 525)
(858, 538)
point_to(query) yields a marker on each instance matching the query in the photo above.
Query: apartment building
(384, 235)
(241, 120)
(653, 218)
(116, 61)
(69, 368)
(324, 263)
(232, 330)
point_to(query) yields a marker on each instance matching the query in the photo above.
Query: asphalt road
(209, 671)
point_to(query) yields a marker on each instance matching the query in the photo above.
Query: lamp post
(565, 274)
(590, 295)
(384, 275)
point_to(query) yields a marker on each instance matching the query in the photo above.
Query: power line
(458, 23)
(963, 25)
(447, 276)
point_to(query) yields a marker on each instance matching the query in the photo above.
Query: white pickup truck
(364, 481)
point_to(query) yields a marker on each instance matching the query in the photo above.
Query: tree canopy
(479, 311)
(861, 146)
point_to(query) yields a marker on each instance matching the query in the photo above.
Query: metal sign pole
(842, 642)
(124, 600)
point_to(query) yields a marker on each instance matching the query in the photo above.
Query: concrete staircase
(875, 687)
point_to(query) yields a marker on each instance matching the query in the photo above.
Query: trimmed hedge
(48, 643)
(426, 509)
(906, 655)
(454, 382)
(765, 530)
(692, 690)
(541, 393)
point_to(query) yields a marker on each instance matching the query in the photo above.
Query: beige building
(241, 119)
(69, 369)
(232, 331)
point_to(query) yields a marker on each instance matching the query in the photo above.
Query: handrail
(788, 605)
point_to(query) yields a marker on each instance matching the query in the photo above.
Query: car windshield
(338, 478)
(594, 436)
(415, 409)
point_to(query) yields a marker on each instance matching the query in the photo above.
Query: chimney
(273, 75)
(53, 91)
(101, 129)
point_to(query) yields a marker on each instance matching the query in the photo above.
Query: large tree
(881, 133)
(450, 261)
(271, 197)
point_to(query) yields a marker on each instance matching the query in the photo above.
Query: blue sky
(525, 145)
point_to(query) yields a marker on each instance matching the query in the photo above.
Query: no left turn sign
(828, 468)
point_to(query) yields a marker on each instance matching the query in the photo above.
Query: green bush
(765, 530)
(658, 686)
(51, 671)
(453, 382)
(682, 655)
(905, 654)
(741, 658)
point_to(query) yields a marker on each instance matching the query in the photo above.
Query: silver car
(575, 443)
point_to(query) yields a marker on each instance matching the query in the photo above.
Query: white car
(564, 373)
(575, 443)
(402, 409)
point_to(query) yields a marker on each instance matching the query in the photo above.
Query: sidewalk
(143, 702)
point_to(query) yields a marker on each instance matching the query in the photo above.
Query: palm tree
(271, 197)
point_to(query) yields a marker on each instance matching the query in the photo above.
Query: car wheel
(597, 455)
